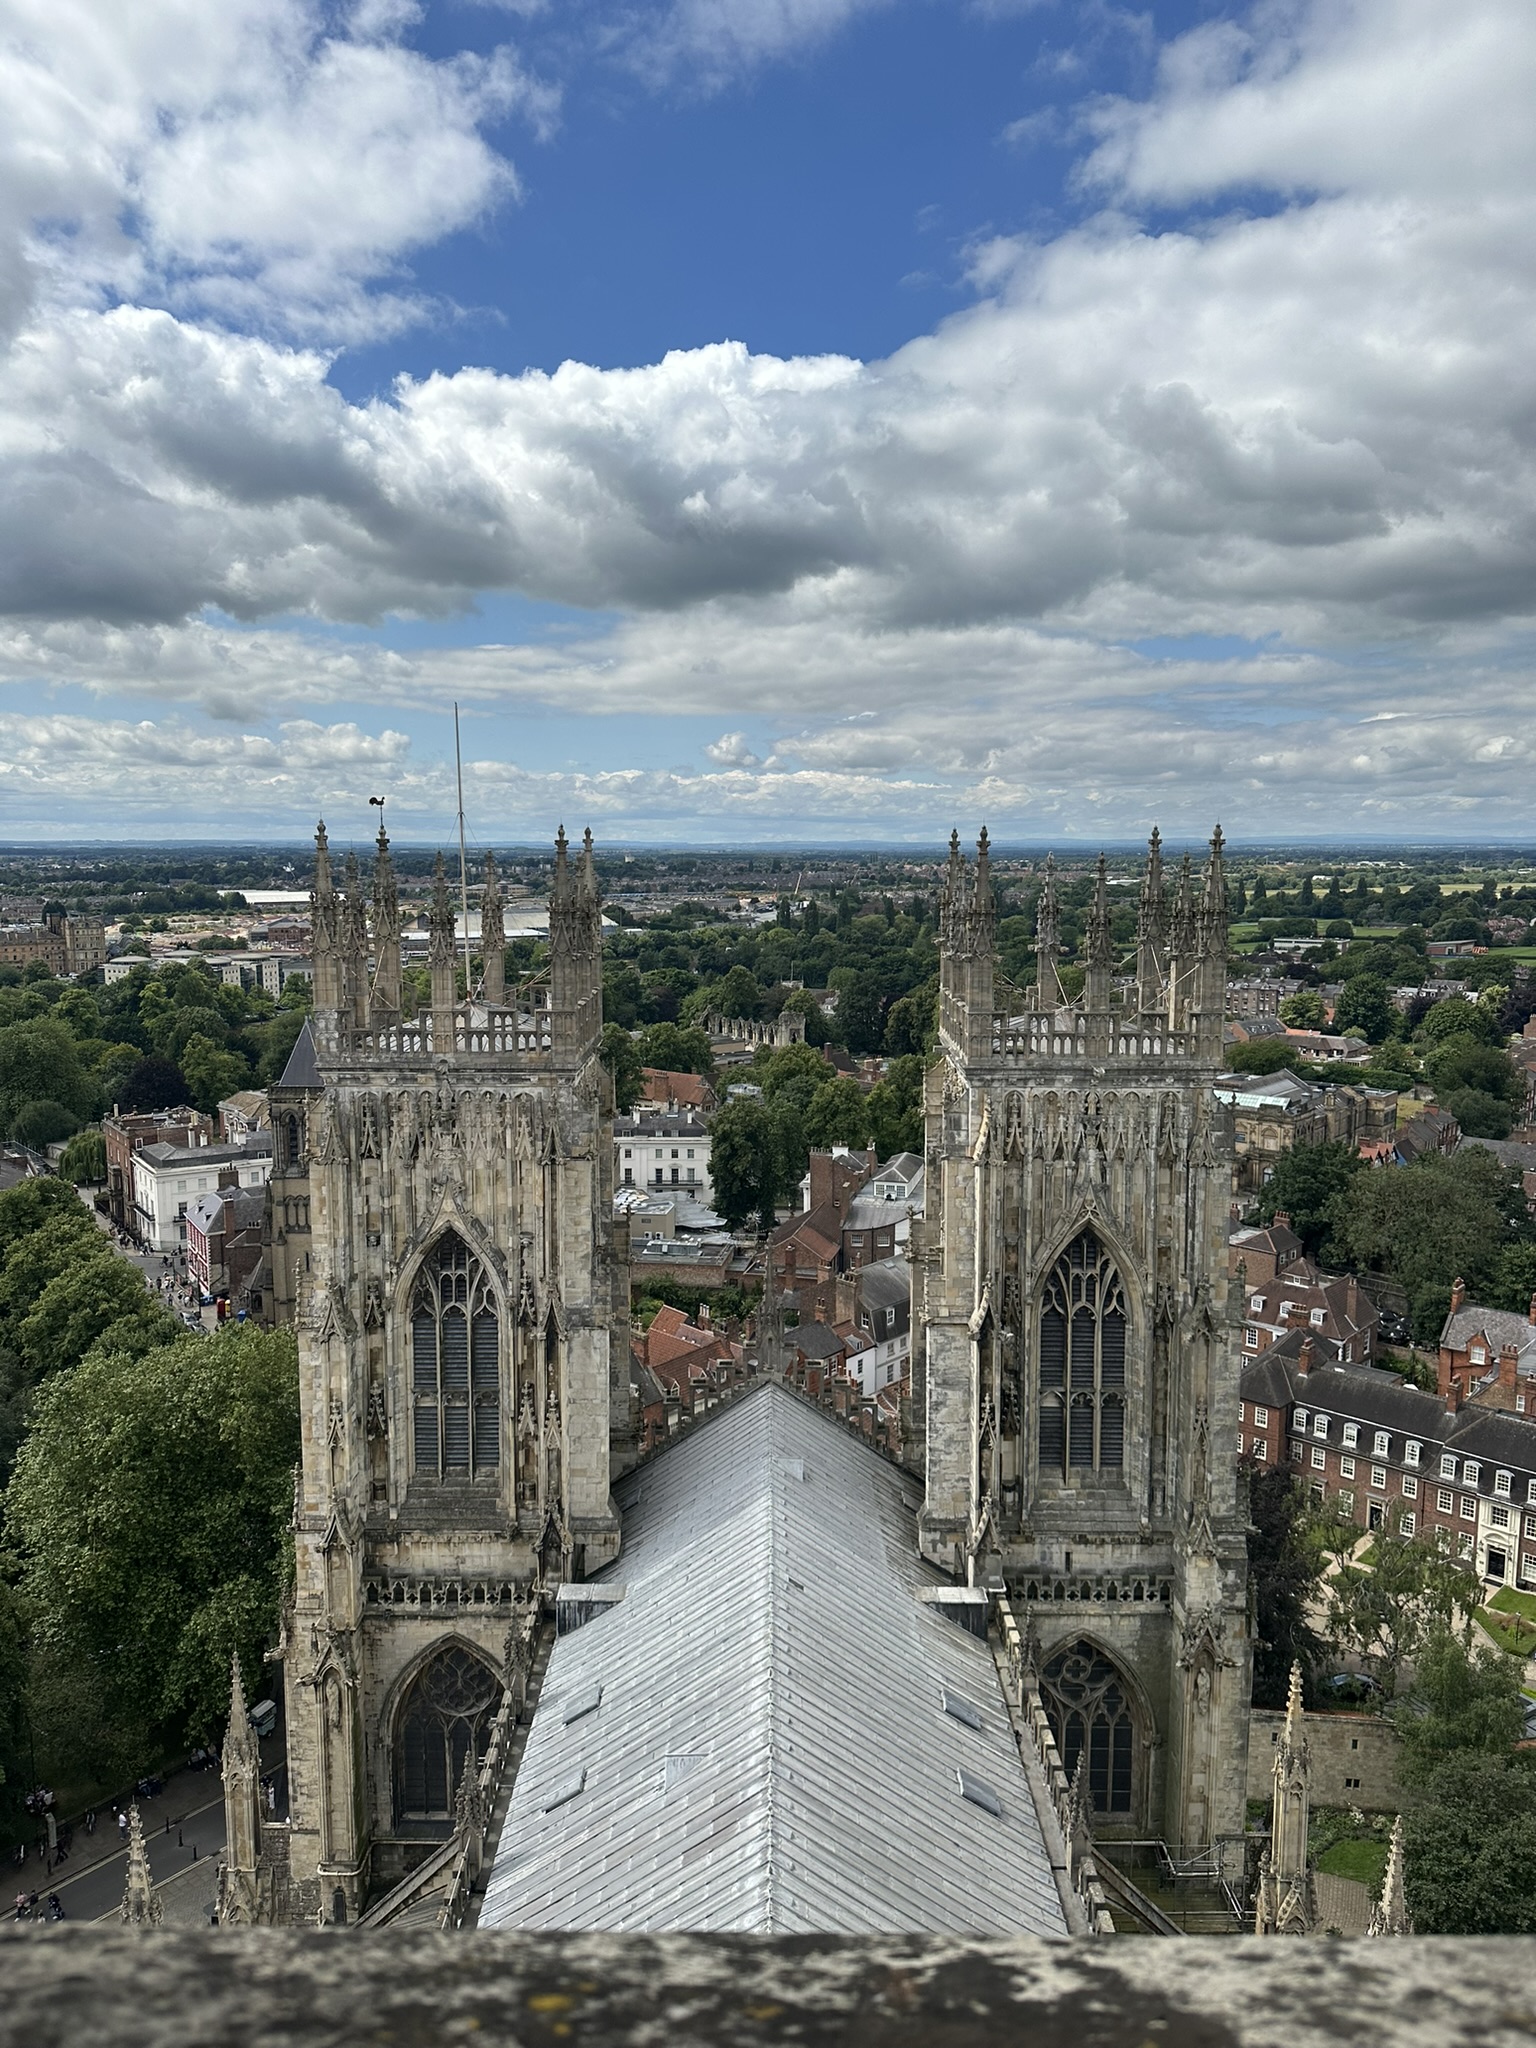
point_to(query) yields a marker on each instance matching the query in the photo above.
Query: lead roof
(771, 1752)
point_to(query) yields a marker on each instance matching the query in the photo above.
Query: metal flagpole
(458, 767)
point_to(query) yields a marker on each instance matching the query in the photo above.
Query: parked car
(264, 1717)
(1351, 1688)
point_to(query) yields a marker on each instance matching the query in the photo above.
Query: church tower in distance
(1075, 1395)
(458, 1364)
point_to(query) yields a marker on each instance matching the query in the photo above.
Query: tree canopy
(149, 1510)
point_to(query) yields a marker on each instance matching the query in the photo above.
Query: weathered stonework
(461, 1344)
(1075, 1393)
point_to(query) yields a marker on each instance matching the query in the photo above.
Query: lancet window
(1086, 1704)
(455, 1366)
(1082, 1362)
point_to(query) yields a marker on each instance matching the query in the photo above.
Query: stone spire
(141, 1902)
(575, 959)
(386, 934)
(241, 1861)
(1048, 941)
(1099, 959)
(1390, 1913)
(982, 915)
(352, 940)
(493, 936)
(322, 929)
(443, 960)
(1152, 931)
(1181, 951)
(1290, 1904)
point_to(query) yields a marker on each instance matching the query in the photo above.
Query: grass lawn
(1363, 1861)
(1512, 1626)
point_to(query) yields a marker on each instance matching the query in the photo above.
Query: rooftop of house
(1471, 1324)
(816, 1340)
(660, 1123)
(661, 1085)
(887, 1283)
(162, 1156)
(755, 1736)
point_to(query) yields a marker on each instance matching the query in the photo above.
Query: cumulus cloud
(1302, 423)
(261, 160)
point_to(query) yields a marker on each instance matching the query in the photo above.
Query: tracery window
(444, 1717)
(1082, 1362)
(1086, 1704)
(455, 1370)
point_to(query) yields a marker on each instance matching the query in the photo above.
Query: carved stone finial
(141, 1902)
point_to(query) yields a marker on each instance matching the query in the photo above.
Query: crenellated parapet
(551, 1020)
(1171, 1016)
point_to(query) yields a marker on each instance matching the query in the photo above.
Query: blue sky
(776, 420)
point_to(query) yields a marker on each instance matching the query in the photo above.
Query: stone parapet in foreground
(107, 1989)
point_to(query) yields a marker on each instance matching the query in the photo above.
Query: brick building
(1283, 1290)
(123, 1136)
(1377, 1447)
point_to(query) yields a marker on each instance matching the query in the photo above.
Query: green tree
(1365, 1008)
(1261, 1056)
(838, 1115)
(1387, 1609)
(1462, 1699)
(98, 1297)
(39, 1062)
(1303, 1011)
(1455, 1017)
(14, 1747)
(1306, 1183)
(1427, 1223)
(1284, 1575)
(212, 1073)
(859, 1021)
(155, 1083)
(895, 1108)
(912, 1023)
(676, 1050)
(1470, 1848)
(35, 1202)
(41, 1124)
(744, 1162)
(84, 1159)
(149, 1510)
(738, 995)
(620, 1057)
(65, 1241)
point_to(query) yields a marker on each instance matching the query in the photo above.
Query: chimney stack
(1530, 1313)
(1306, 1358)
(1453, 1395)
(1509, 1366)
(1458, 1293)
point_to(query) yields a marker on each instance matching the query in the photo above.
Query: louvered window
(1082, 1362)
(455, 1366)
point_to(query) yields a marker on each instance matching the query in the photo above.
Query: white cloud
(254, 159)
(704, 44)
(1304, 423)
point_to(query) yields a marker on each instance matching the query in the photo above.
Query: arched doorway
(1088, 1704)
(445, 1714)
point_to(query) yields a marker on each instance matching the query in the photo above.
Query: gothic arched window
(1082, 1362)
(443, 1719)
(293, 1141)
(1085, 1702)
(455, 1368)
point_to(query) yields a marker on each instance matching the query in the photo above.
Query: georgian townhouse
(1381, 1450)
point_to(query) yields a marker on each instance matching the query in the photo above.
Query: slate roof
(303, 1068)
(1500, 1326)
(771, 1751)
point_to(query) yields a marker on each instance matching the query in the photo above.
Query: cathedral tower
(1075, 1391)
(456, 1316)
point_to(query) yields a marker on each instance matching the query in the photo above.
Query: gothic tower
(458, 1362)
(1075, 1385)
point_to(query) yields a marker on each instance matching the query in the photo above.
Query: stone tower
(458, 1367)
(1075, 1385)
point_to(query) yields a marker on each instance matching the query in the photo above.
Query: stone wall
(70, 1985)
(1345, 1748)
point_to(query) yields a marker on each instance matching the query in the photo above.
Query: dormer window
(1319, 1425)
(1351, 1435)
(1381, 1447)
(1502, 1481)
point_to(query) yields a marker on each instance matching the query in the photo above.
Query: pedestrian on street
(122, 1825)
(90, 1822)
(55, 1907)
